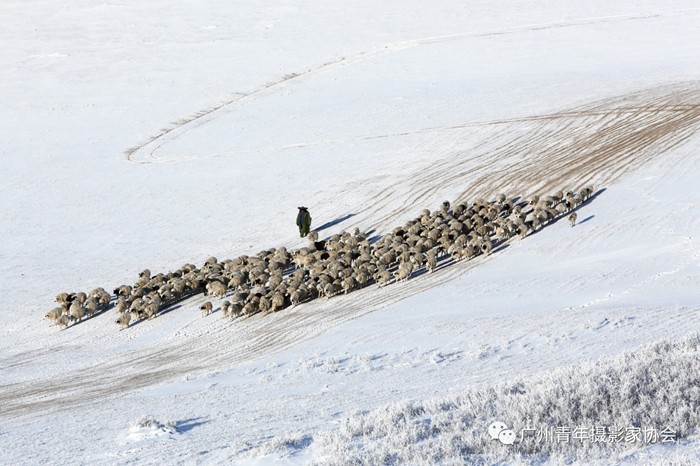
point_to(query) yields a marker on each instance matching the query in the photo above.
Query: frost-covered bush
(148, 426)
(628, 398)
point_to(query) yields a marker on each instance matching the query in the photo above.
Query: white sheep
(63, 321)
(404, 272)
(216, 288)
(277, 302)
(226, 309)
(150, 310)
(121, 305)
(348, 284)
(80, 297)
(91, 306)
(235, 309)
(431, 262)
(206, 308)
(468, 252)
(330, 290)
(54, 314)
(124, 290)
(298, 296)
(265, 304)
(572, 219)
(76, 311)
(123, 320)
(561, 208)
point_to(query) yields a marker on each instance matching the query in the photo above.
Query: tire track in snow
(150, 151)
(596, 143)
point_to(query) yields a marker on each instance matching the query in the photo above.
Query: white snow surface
(149, 134)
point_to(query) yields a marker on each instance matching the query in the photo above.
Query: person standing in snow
(304, 221)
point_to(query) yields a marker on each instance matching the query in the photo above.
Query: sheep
(80, 297)
(54, 314)
(124, 290)
(249, 309)
(104, 298)
(96, 292)
(121, 305)
(136, 308)
(76, 311)
(123, 320)
(137, 304)
(91, 306)
(404, 272)
(136, 314)
(261, 279)
(265, 304)
(431, 262)
(348, 284)
(502, 233)
(235, 309)
(150, 310)
(521, 229)
(572, 219)
(187, 268)
(468, 252)
(278, 302)
(63, 298)
(206, 308)
(330, 290)
(63, 321)
(299, 295)
(216, 288)
(237, 280)
(154, 298)
(455, 251)
(586, 192)
(304, 261)
(225, 308)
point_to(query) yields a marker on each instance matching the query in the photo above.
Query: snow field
(389, 110)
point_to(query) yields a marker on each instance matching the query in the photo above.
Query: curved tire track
(596, 143)
(150, 151)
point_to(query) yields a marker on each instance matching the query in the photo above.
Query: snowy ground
(148, 135)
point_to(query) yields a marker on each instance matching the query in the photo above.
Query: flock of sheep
(275, 279)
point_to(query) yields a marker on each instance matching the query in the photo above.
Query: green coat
(304, 219)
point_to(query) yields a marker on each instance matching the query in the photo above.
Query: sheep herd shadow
(335, 222)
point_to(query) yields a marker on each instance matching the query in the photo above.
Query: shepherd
(304, 221)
